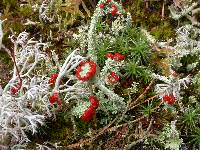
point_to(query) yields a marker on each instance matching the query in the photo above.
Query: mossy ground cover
(150, 15)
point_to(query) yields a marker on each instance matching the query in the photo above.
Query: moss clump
(5, 66)
(149, 15)
(59, 130)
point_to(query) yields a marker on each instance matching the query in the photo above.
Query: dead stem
(145, 135)
(6, 50)
(124, 124)
(147, 100)
(15, 64)
(136, 120)
(163, 10)
(102, 131)
(142, 95)
(117, 120)
(110, 129)
(133, 105)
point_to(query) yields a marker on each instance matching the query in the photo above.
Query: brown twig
(133, 104)
(117, 120)
(125, 124)
(3, 48)
(147, 100)
(142, 95)
(85, 8)
(136, 120)
(125, 111)
(163, 10)
(93, 3)
(146, 133)
(158, 105)
(104, 130)
(15, 64)
(88, 141)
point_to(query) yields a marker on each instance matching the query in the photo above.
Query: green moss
(164, 31)
(198, 16)
(59, 130)
(148, 15)
(25, 11)
(5, 67)
(5, 58)
(12, 3)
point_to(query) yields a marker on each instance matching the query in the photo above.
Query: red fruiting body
(94, 102)
(113, 6)
(102, 6)
(114, 10)
(170, 99)
(108, 1)
(14, 90)
(54, 98)
(52, 79)
(88, 114)
(113, 77)
(51, 82)
(54, 76)
(118, 57)
(86, 70)
(109, 55)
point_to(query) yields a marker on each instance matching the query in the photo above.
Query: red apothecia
(94, 102)
(52, 79)
(86, 70)
(109, 55)
(88, 114)
(113, 77)
(90, 111)
(102, 6)
(116, 56)
(55, 99)
(14, 89)
(114, 10)
(169, 99)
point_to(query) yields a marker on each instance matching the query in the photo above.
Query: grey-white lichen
(17, 113)
(170, 137)
(171, 85)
